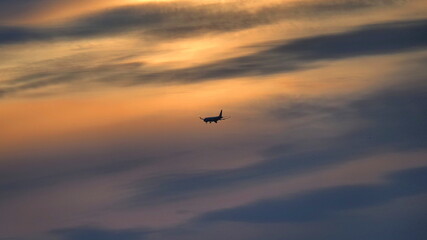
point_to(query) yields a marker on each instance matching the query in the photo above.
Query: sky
(101, 138)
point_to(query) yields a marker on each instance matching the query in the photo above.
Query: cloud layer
(280, 58)
(326, 202)
(102, 138)
(171, 20)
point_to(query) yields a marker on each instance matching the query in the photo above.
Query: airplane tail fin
(220, 113)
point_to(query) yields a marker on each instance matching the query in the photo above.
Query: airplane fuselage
(212, 119)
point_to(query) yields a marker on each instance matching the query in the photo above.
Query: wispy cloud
(172, 20)
(290, 56)
(298, 54)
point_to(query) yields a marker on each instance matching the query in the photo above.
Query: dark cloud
(166, 20)
(395, 120)
(326, 203)
(10, 35)
(396, 227)
(372, 39)
(88, 233)
(394, 116)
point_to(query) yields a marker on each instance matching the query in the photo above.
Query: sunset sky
(101, 138)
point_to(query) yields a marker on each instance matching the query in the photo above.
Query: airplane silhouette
(214, 119)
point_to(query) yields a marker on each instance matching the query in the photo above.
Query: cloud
(326, 203)
(88, 233)
(171, 20)
(367, 40)
(10, 35)
(395, 120)
(386, 38)
(36, 176)
(73, 75)
(35, 11)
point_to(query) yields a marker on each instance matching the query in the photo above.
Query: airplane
(214, 119)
